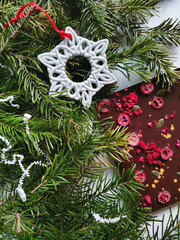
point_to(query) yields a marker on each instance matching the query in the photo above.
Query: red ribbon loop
(63, 34)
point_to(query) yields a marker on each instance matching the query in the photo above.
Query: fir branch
(168, 32)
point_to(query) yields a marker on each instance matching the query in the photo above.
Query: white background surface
(168, 9)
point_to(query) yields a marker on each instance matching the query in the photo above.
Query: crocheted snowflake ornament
(56, 60)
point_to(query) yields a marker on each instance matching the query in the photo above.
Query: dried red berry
(155, 122)
(117, 94)
(178, 143)
(156, 155)
(150, 124)
(123, 119)
(142, 145)
(141, 159)
(172, 115)
(164, 197)
(133, 139)
(152, 145)
(138, 112)
(164, 130)
(104, 105)
(139, 151)
(118, 105)
(140, 176)
(124, 99)
(157, 102)
(147, 88)
(166, 153)
(133, 97)
(147, 198)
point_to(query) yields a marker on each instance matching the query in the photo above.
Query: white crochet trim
(18, 157)
(56, 60)
(10, 99)
(107, 220)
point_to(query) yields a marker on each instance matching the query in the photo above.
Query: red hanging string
(38, 8)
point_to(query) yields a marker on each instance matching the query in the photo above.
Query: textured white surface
(56, 60)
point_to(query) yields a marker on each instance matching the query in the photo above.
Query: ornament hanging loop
(63, 34)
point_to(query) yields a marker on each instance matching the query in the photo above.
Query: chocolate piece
(151, 135)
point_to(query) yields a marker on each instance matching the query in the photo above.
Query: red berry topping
(164, 197)
(118, 105)
(141, 177)
(157, 102)
(166, 153)
(117, 94)
(123, 119)
(172, 115)
(150, 124)
(133, 139)
(104, 105)
(178, 143)
(147, 88)
(147, 198)
(133, 97)
(141, 159)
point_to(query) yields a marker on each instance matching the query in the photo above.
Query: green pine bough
(63, 197)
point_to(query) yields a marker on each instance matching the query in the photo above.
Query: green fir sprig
(62, 197)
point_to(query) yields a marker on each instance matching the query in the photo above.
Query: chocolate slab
(168, 179)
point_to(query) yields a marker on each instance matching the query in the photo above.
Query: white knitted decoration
(56, 60)
(19, 157)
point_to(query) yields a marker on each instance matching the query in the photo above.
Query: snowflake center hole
(78, 68)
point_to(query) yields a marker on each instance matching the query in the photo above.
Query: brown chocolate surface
(168, 179)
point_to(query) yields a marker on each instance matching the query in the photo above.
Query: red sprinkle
(164, 130)
(178, 143)
(124, 99)
(172, 115)
(139, 151)
(141, 159)
(118, 105)
(147, 198)
(155, 122)
(150, 124)
(138, 112)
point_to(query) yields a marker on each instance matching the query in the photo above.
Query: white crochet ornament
(56, 61)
